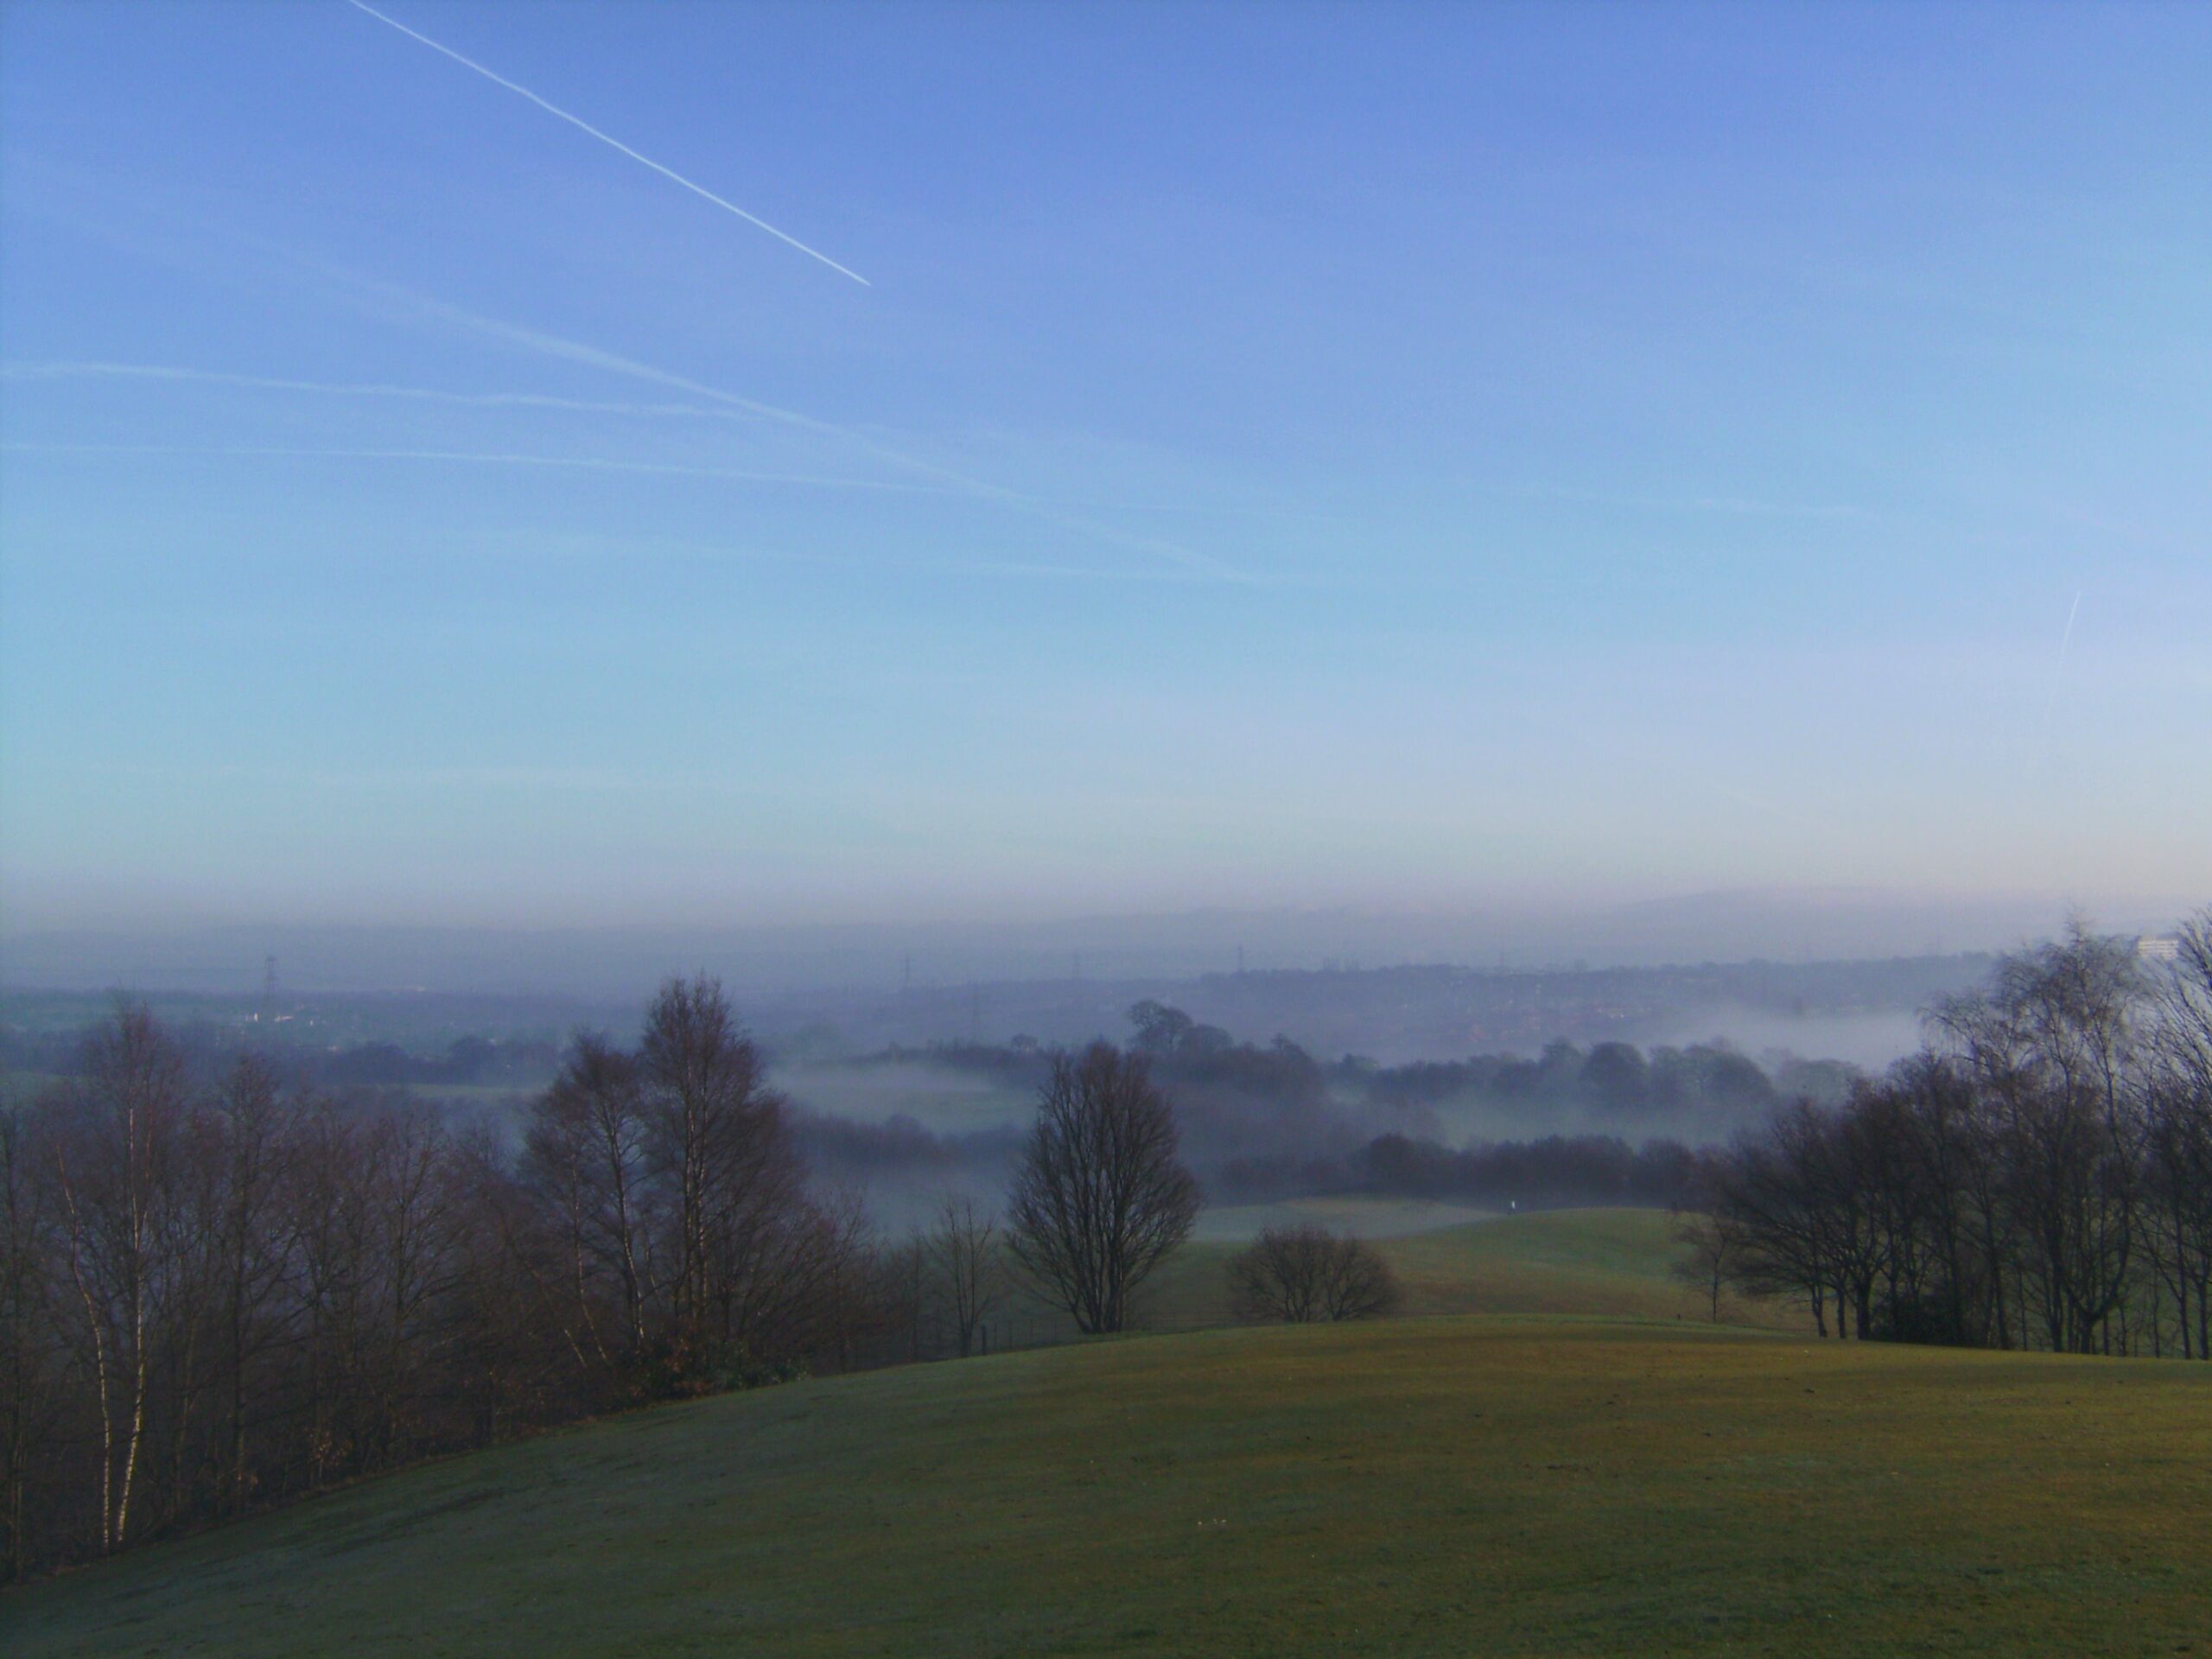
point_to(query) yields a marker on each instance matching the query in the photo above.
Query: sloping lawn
(1489, 1485)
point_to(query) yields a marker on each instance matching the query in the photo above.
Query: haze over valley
(924, 828)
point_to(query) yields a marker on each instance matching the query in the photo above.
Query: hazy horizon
(589, 961)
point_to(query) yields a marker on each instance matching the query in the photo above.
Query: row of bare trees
(219, 1292)
(2038, 1176)
(689, 1249)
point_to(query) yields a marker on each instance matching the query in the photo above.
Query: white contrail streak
(668, 173)
(349, 389)
(944, 482)
(485, 458)
(1733, 507)
(955, 486)
(575, 352)
(969, 567)
(568, 351)
(2057, 679)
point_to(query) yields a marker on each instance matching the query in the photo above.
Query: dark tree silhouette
(965, 1251)
(1713, 1249)
(2036, 1179)
(1308, 1276)
(1101, 1195)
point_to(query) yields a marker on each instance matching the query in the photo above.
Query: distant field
(1564, 1262)
(1550, 1261)
(944, 1100)
(1495, 1485)
(1616, 1262)
(1369, 1217)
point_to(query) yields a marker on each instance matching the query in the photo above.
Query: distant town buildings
(2158, 949)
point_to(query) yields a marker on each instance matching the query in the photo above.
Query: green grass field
(1614, 1262)
(1491, 1486)
(1360, 1214)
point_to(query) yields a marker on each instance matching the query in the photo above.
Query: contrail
(969, 567)
(487, 458)
(1735, 506)
(570, 351)
(950, 484)
(610, 142)
(349, 389)
(2057, 673)
(574, 352)
(954, 485)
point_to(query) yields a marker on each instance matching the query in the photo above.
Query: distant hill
(600, 963)
(1860, 1011)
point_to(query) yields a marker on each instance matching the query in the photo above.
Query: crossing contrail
(612, 142)
(930, 480)
(572, 351)
(719, 402)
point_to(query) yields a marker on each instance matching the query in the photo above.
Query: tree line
(1262, 1121)
(473, 1061)
(1708, 1080)
(2038, 1176)
(221, 1290)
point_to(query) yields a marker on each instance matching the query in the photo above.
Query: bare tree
(1712, 1255)
(715, 1137)
(253, 1240)
(112, 1157)
(2055, 1041)
(585, 1152)
(215, 1292)
(1306, 1275)
(2180, 1138)
(2038, 1178)
(1101, 1195)
(964, 1248)
(417, 1224)
(27, 1388)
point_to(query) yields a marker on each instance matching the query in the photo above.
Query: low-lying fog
(1265, 1123)
(1870, 1041)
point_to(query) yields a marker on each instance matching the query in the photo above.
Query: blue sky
(1412, 458)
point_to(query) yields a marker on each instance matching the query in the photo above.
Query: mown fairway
(1362, 1215)
(1612, 1262)
(1508, 1486)
(1547, 1261)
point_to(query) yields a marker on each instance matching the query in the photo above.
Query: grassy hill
(1489, 1485)
(1362, 1214)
